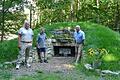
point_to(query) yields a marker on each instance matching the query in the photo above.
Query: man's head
(42, 30)
(27, 24)
(77, 28)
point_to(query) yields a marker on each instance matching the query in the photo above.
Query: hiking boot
(45, 61)
(17, 66)
(41, 61)
(28, 65)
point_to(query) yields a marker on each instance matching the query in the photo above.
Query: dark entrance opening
(65, 51)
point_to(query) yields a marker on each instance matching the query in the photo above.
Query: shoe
(45, 61)
(41, 61)
(28, 65)
(17, 66)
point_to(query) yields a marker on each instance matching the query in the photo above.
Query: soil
(55, 64)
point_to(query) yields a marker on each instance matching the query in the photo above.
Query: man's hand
(19, 47)
(36, 45)
(19, 41)
(83, 42)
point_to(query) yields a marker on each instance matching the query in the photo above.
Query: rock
(96, 64)
(88, 66)
(110, 72)
(98, 70)
(49, 56)
(1, 65)
(7, 63)
(12, 62)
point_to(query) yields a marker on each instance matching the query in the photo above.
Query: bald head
(26, 24)
(77, 28)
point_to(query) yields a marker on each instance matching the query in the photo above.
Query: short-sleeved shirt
(79, 36)
(41, 40)
(26, 34)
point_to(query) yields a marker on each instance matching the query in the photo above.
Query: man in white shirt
(79, 37)
(25, 38)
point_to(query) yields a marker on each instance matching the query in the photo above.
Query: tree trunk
(3, 16)
(71, 10)
(117, 14)
(97, 1)
(77, 9)
(30, 15)
(98, 18)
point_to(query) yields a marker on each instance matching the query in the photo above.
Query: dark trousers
(39, 51)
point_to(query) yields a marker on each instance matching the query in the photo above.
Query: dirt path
(56, 64)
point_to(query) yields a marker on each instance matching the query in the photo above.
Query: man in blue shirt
(41, 46)
(79, 37)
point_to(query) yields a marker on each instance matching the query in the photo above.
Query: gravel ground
(56, 64)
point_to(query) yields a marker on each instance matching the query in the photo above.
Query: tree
(11, 13)
(3, 15)
(105, 12)
(117, 16)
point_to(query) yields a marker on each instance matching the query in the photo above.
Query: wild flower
(97, 54)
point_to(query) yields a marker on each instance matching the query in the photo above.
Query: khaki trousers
(25, 53)
(79, 52)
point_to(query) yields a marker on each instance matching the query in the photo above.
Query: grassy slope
(8, 50)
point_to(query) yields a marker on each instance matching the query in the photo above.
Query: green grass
(59, 76)
(8, 50)
(40, 76)
(5, 75)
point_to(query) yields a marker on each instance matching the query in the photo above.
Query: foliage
(13, 16)
(105, 12)
(96, 54)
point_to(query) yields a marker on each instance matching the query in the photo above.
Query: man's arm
(37, 41)
(32, 35)
(19, 41)
(83, 38)
(83, 42)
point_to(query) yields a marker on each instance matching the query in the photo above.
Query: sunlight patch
(69, 66)
(110, 57)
